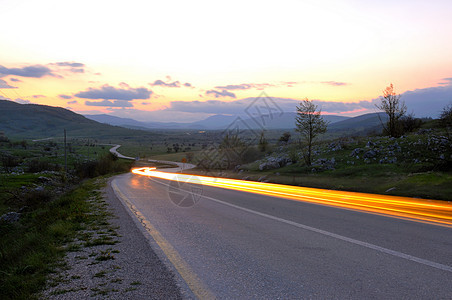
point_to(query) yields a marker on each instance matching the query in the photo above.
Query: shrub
(35, 166)
(409, 123)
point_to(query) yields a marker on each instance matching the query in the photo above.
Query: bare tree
(232, 147)
(263, 143)
(446, 119)
(394, 108)
(309, 124)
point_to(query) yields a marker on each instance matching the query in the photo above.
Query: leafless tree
(446, 119)
(309, 123)
(394, 108)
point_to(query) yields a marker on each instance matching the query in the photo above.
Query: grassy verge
(378, 179)
(32, 247)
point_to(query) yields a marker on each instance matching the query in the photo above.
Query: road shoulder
(117, 261)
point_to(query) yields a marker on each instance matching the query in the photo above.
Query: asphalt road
(237, 245)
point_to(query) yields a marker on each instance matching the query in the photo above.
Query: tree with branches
(391, 104)
(446, 119)
(310, 124)
(232, 147)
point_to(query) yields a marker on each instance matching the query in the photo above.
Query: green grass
(30, 249)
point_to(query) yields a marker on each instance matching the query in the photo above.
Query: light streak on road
(431, 211)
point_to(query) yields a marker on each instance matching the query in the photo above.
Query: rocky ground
(111, 260)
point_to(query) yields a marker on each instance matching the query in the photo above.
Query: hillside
(361, 124)
(41, 121)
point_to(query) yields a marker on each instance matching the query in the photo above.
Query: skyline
(180, 61)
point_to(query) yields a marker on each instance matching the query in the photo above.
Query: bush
(409, 123)
(8, 161)
(105, 164)
(251, 154)
(35, 166)
(36, 197)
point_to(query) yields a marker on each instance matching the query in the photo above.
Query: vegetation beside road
(43, 208)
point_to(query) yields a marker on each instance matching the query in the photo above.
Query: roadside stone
(370, 154)
(11, 217)
(261, 179)
(269, 165)
(356, 151)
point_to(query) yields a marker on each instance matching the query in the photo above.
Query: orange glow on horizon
(431, 211)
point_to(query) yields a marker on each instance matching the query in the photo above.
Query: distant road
(114, 150)
(178, 166)
(239, 245)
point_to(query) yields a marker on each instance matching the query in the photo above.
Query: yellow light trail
(431, 211)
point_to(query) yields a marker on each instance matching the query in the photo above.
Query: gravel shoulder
(111, 260)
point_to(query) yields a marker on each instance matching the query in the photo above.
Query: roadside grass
(9, 185)
(31, 248)
(371, 178)
(170, 156)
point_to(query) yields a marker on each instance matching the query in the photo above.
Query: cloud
(334, 83)
(243, 86)
(65, 96)
(111, 93)
(5, 85)
(72, 102)
(447, 81)
(247, 86)
(218, 94)
(72, 67)
(34, 71)
(175, 84)
(290, 83)
(38, 96)
(124, 85)
(15, 80)
(70, 64)
(108, 103)
(75, 70)
(428, 102)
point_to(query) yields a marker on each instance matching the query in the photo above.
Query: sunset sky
(186, 60)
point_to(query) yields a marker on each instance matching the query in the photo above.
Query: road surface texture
(231, 244)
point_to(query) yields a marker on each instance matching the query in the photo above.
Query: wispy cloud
(70, 64)
(108, 92)
(65, 96)
(169, 83)
(71, 67)
(334, 83)
(72, 102)
(5, 85)
(15, 80)
(38, 96)
(446, 81)
(245, 86)
(108, 103)
(34, 71)
(220, 94)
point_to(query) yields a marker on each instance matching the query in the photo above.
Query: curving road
(233, 244)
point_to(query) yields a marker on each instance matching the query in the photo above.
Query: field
(415, 165)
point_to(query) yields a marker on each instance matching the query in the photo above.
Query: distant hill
(40, 121)
(284, 121)
(363, 123)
